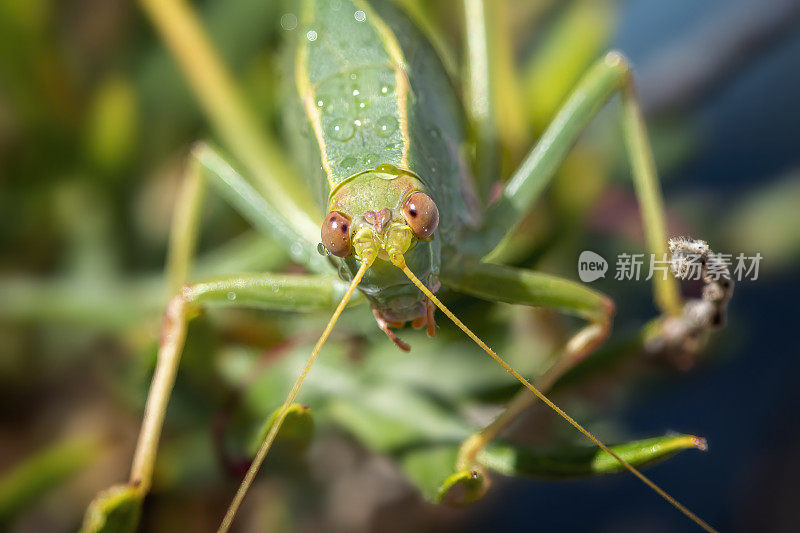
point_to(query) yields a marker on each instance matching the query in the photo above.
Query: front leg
(264, 291)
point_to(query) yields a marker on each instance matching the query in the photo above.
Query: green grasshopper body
(383, 119)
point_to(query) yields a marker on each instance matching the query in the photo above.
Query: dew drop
(362, 103)
(435, 133)
(341, 130)
(311, 35)
(288, 21)
(387, 88)
(371, 159)
(296, 251)
(348, 162)
(360, 16)
(386, 126)
(321, 250)
(386, 168)
(231, 296)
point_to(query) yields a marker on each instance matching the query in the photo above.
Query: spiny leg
(500, 283)
(608, 76)
(399, 261)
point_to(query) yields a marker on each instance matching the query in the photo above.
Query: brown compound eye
(336, 234)
(421, 214)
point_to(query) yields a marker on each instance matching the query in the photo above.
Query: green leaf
(43, 471)
(388, 418)
(428, 468)
(582, 461)
(295, 434)
(114, 510)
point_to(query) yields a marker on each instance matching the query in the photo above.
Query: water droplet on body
(341, 130)
(321, 250)
(311, 35)
(360, 16)
(386, 125)
(288, 21)
(296, 251)
(348, 162)
(386, 168)
(344, 272)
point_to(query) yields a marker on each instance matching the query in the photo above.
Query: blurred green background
(95, 124)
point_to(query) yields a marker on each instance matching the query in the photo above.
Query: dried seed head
(683, 335)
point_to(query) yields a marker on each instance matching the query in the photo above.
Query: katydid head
(385, 210)
(382, 213)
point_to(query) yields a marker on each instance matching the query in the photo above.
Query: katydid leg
(252, 205)
(520, 286)
(259, 152)
(608, 76)
(478, 95)
(267, 291)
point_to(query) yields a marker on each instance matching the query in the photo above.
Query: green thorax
(373, 92)
(349, 76)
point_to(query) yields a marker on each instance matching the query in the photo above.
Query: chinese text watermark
(592, 266)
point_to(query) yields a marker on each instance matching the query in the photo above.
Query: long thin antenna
(399, 261)
(273, 431)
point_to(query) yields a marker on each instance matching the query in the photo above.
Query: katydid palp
(379, 132)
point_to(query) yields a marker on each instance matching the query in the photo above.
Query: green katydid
(380, 137)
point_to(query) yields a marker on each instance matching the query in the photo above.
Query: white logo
(591, 266)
